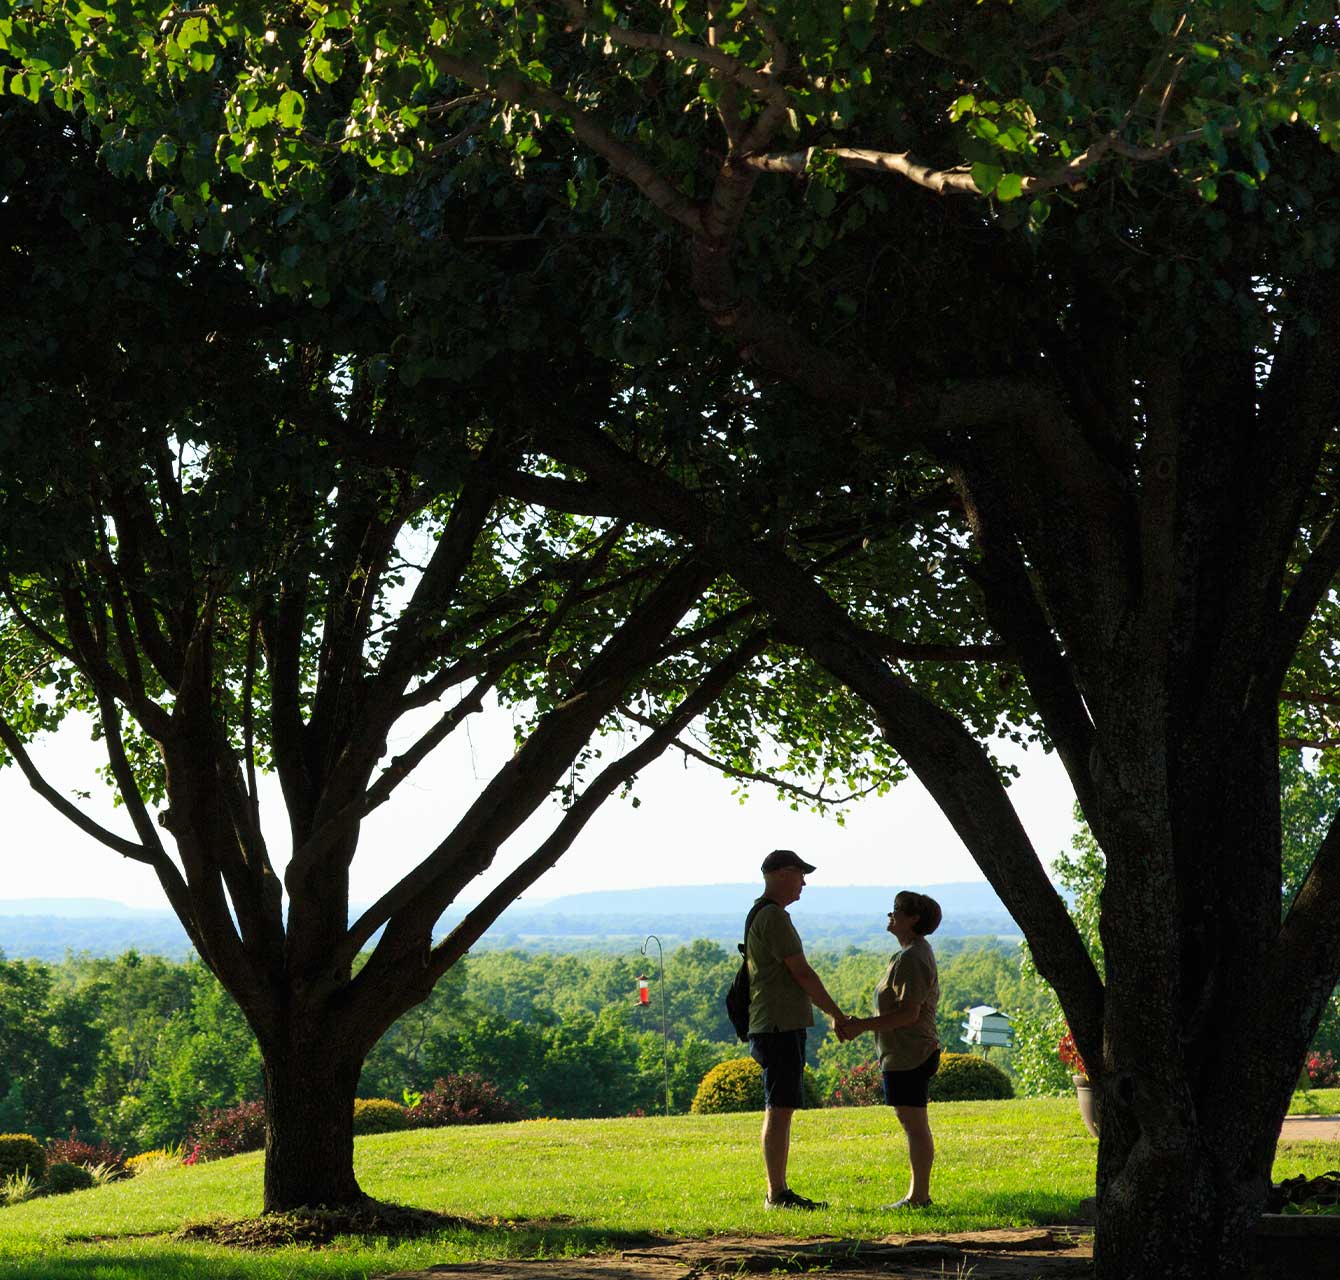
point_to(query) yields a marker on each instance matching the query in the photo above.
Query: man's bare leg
(776, 1147)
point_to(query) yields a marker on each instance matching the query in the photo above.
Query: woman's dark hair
(924, 907)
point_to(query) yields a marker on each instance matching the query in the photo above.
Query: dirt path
(1310, 1129)
(1057, 1253)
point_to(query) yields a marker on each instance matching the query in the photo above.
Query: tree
(49, 1045)
(238, 547)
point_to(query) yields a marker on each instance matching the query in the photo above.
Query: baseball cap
(781, 859)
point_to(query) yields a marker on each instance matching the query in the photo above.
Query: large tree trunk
(310, 1082)
(1194, 1074)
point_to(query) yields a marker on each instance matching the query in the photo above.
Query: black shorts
(781, 1054)
(910, 1088)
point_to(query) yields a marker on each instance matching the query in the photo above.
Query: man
(781, 988)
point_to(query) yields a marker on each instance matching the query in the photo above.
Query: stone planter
(1088, 1109)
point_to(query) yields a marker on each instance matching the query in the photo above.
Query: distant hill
(49, 936)
(965, 898)
(76, 908)
(829, 917)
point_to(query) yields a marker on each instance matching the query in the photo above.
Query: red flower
(1069, 1055)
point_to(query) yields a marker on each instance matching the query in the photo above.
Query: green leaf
(986, 177)
(823, 200)
(291, 109)
(962, 106)
(328, 63)
(1010, 186)
(193, 31)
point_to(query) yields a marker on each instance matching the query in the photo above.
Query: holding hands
(850, 1028)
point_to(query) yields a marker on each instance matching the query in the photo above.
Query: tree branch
(35, 628)
(520, 92)
(753, 775)
(345, 819)
(66, 808)
(913, 651)
(1310, 587)
(759, 82)
(959, 180)
(614, 775)
(523, 782)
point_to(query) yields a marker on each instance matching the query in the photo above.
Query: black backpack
(737, 994)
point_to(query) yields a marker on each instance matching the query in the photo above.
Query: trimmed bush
(20, 1152)
(378, 1115)
(63, 1177)
(467, 1098)
(227, 1132)
(964, 1077)
(74, 1150)
(737, 1085)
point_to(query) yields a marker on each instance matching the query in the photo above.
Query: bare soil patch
(318, 1226)
(1055, 1253)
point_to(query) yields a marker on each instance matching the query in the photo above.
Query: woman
(905, 1035)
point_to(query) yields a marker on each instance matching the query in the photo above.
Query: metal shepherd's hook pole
(665, 1033)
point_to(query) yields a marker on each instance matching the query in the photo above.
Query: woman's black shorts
(909, 1088)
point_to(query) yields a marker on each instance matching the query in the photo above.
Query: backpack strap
(749, 920)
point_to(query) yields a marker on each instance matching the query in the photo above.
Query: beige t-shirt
(777, 1002)
(910, 979)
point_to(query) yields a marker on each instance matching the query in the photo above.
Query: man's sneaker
(790, 1200)
(908, 1203)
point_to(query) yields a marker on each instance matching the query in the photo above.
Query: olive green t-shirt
(777, 1002)
(910, 979)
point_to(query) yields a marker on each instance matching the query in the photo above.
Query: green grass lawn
(546, 1188)
(1316, 1102)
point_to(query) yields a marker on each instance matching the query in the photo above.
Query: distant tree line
(131, 1049)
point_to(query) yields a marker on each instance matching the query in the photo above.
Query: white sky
(689, 829)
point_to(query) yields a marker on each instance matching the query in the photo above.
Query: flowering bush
(153, 1161)
(1069, 1054)
(226, 1132)
(467, 1098)
(858, 1086)
(74, 1150)
(1321, 1070)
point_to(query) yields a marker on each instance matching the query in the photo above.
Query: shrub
(467, 1098)
(964, 1077)
(1321, 1070)
(15, 1188)
(74, 1150)
(227, 1131)
(737, 1085)
(858, 1086)
(153, 1161)
(378, 1115)
(21, 1152)
(63, 1177)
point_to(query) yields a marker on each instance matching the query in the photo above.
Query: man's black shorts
(781, 1054)
(911, 1088)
